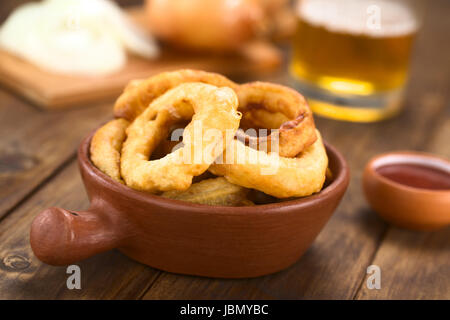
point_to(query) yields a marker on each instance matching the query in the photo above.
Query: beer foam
(376, 18)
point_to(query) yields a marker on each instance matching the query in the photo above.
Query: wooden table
(38, 169)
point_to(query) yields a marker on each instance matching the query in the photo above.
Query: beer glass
(350, 57)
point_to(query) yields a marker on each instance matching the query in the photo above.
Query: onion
(217, 25)
(80, 37)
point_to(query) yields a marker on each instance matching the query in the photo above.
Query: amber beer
(353, 47)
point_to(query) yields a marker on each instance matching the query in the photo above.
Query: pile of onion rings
(280, 154)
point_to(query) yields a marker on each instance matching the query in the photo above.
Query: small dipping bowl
(409, 189)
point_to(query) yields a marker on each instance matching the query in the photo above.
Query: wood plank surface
(416, 265)
(322, 265)
(35, 143)
(38, 170)
(335, 265)
(22, 276)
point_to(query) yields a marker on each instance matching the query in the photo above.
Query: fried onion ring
(214, 108)
(294, 177)
(140, 93)
(271, 106)
(264, 105)
(106, 145)
(215, 192)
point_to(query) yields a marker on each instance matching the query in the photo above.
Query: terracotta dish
(181, 237)
(409, 189)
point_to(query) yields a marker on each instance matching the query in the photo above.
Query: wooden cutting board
(54, 91)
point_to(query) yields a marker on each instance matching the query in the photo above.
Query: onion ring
(264, 105)
(106, 145)
(294, 177)
(215, 192)
(271, 106)
(214, 108)
(140, 93)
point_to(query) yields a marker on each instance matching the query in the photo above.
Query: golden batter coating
(140, 93)
(209, 108)
(272, 106)
(263, 105)
(106, 146)
(138, 154)
(215, 192)
(278, 176)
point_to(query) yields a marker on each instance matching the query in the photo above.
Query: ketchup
(416, 176)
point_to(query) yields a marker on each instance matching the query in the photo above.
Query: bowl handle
(62, 237)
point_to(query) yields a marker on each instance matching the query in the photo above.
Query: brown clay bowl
(402, 205)
(181, 237)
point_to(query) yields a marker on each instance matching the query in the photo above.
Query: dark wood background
(38, 170)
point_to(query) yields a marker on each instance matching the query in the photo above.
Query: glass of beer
(351, 57)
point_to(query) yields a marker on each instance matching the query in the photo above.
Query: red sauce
(416, 176)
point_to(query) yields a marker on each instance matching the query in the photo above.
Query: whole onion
(217, 25)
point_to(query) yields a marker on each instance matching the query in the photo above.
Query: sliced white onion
(87, 37)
